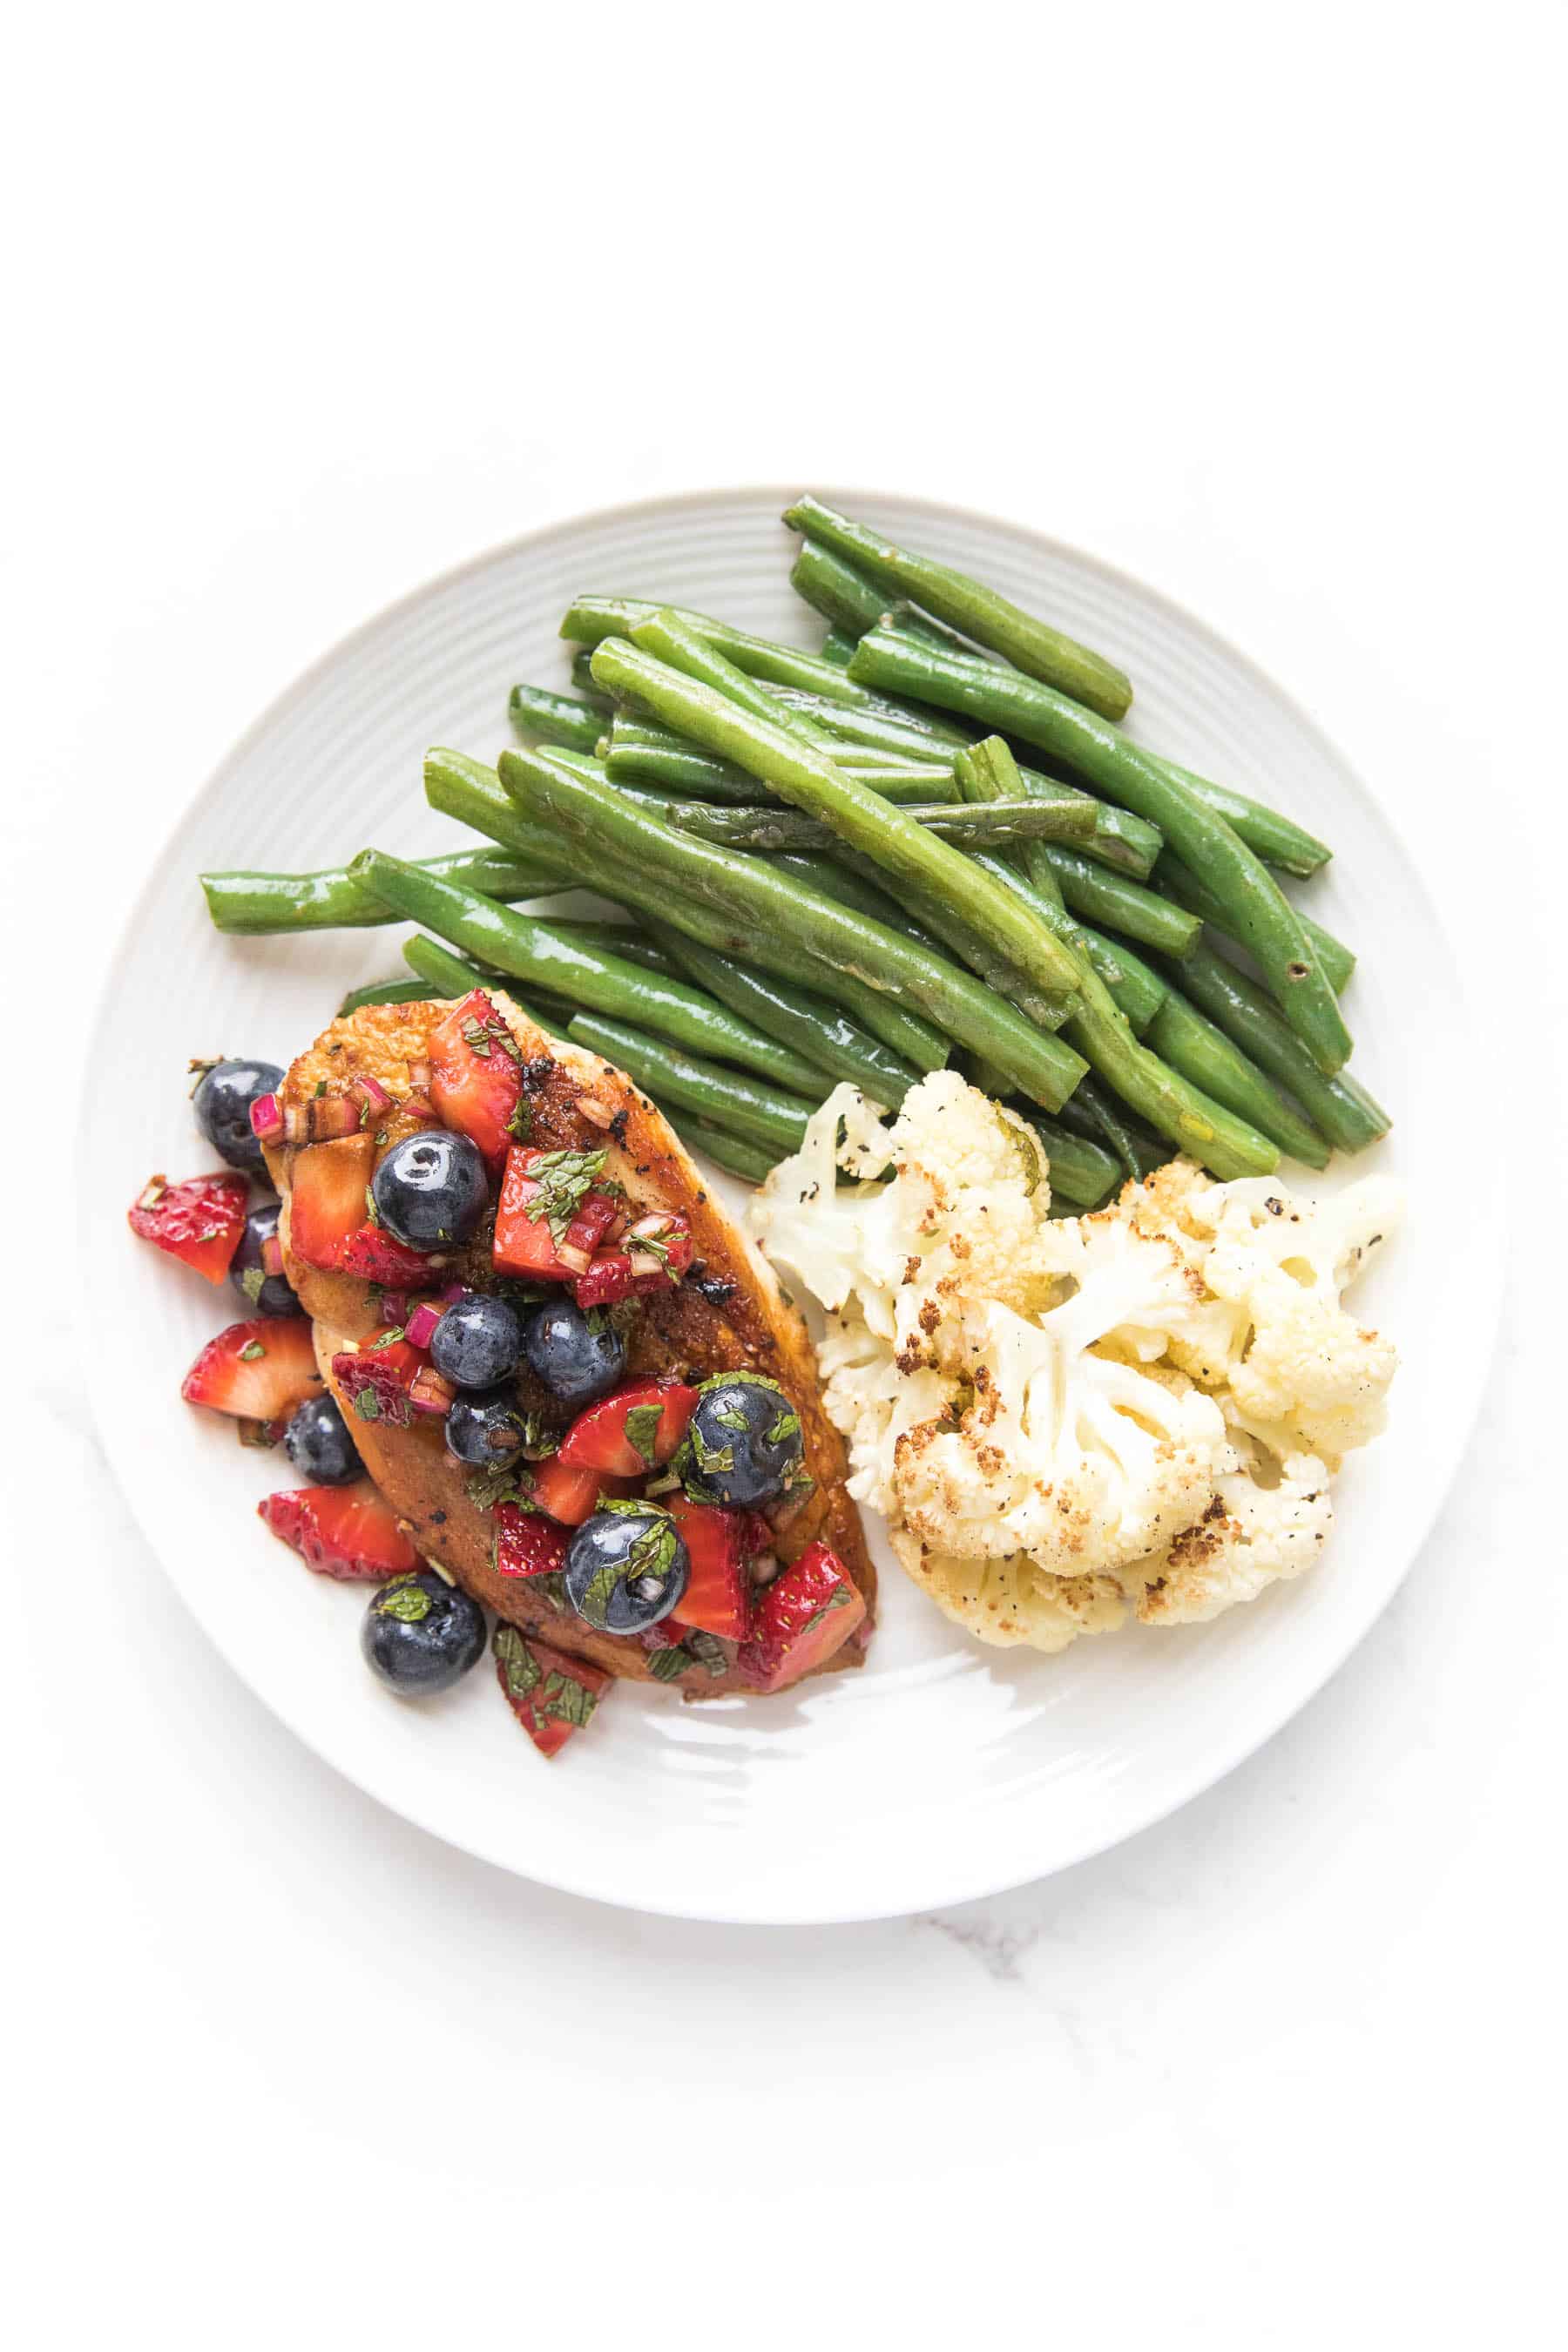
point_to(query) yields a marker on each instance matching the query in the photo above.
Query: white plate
(943, 1770)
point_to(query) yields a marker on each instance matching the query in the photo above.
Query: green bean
(550, 960)
(541, 717)
(1136, 989)
(876, 728)
(466, 789)
(1121, 839)
(1082, 1170)
(733, 1153)
(446, 973)
(971, 828)
(383, 991)
(1002, 927)
(591, 619)
(1060, 662)
(1117, 903)
(1274, 838)
(760, 1114)
(618, 940)
(848, 597)
(1207, 1057)
(583, 681)
(817, 1029)
(1093, 1112)
(1189, 890)
(641, 752)
(1340, 1107)
(836, 647)
(1262, 917)
(786, 927)
(254, 904)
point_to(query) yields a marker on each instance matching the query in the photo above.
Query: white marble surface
(1288, 2066)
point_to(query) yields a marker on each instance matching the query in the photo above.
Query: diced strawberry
(257, 1371)
(377, 1380)
(374, 1256)
(572, 1494)
(551, 1694)
(524, 1244)
(807, 1612)
(660, 1244)
(525, 1544)
(200, 1221)
(327, 1198)
(342, 1531)
(717, 1595)
(594, 1223)
(610, 1279)
(475, 1080)
(605, 1437)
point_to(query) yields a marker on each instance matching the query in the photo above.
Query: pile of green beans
(834, 867)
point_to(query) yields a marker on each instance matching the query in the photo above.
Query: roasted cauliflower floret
(1065, 1420)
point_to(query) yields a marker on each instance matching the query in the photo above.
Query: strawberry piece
(377, 1381)
(595, 1222)
(374, 1256)
(476, 1081)
(604, 1436)
(327, 1188)
(524, 1246)
(807, 1612)
(572, 1494)
(347, 1532)
(257, 1371)
(611, 1278)
(551, 1694)
(199, 1222)
(525, 1544)
(717, 1595)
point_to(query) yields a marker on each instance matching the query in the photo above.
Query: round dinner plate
(945, 1769)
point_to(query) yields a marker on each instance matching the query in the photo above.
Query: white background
(304, 304)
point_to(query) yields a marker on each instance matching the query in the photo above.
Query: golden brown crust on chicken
(688, 1330)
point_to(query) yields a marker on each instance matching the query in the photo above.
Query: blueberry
(222, 1103)
(743, 1443)
(477, 1342)
(264, 1293)
(486, 1431)
(430, 1189)
(627, 1569)
(420, 1635)
(577, 1355)
(318, 1443)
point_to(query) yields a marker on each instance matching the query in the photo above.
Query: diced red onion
(420, 1077)
(372, 1092)
(322, 1119)
(420, 1327)
(576, 1259)
(450, 1292)
(428, 1392)
(267, 1117)
(395, 1306)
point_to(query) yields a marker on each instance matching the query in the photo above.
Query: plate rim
(1182, 1790)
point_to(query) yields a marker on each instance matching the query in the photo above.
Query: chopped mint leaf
(786, 1425)
(367, 1404)
(407, 1602)
(600, 1592)
(642, 1429)
(708, 1652)
(516, 1662)
(388, 1339)
(668, 1666)
(567, 1700)
(252, 1353)
(563, 1179)
(521, 1124)
(730, 1416)
(250, 1282)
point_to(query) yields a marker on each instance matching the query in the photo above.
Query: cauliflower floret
(1251, 1535)
(1011, 1600)
(1064, 1418)
(1080, 1461)
(1307, 1374)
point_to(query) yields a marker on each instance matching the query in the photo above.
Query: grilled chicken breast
(728, 1314)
